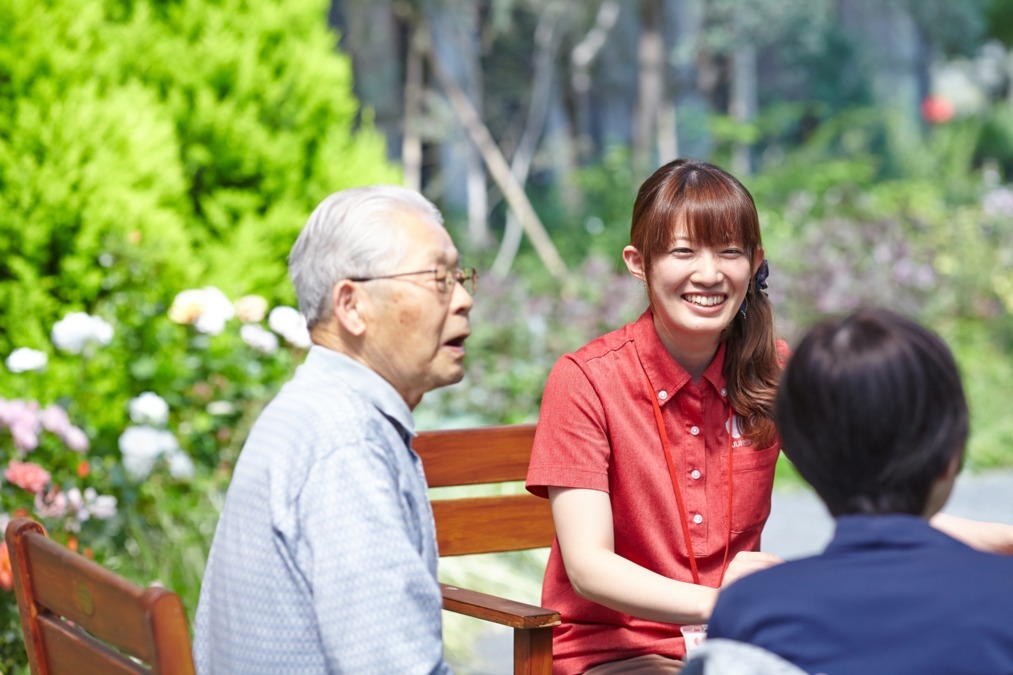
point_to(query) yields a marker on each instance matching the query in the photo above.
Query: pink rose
(76, 439)
(25, 438)
(54, 420)
(51, 505)
(27, 476)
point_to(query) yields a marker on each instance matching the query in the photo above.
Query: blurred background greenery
(151, 147)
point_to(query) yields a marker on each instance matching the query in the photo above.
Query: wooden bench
(78, 617)
(491, 524)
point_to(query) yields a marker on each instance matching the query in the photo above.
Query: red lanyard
(678, 491)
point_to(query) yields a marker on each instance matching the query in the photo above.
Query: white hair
(350, 234)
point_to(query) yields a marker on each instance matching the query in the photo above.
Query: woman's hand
(984, 536)
(747, 562)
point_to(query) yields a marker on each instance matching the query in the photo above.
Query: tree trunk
(551, 25)
(651, 84)
(454, 48)
(689, 107)
(889, 43)
(513, 192)
(411, 143)
(370, 34)
(582, 57)
(742, 102)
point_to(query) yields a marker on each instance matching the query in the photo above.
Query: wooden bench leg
(533, 651)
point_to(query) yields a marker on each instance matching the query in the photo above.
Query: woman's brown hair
(716, 210)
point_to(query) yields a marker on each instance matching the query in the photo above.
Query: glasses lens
(467, 277)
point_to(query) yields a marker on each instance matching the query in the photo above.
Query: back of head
(871, 412)
(350, 234)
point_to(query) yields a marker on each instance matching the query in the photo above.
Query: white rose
(220, 408)
(217, 310)
(24, 359)
(290, 324)
(187, 306)
(251, 308)
(259, 338)
(77, 329)
(180, 465)
(141, 447)
(149, 408)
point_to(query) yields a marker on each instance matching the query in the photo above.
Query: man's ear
(955, 465)
(349, 306)
(634, 262)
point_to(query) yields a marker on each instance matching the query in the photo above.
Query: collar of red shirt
(664, 371)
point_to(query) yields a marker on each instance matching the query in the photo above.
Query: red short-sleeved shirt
(597, 430)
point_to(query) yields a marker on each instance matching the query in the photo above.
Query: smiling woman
(666, 420)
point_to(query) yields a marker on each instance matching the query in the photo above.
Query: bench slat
(475, 456)
(492, 524)
(70, 651)
(73, 586)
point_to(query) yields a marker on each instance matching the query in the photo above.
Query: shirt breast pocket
(752, 484)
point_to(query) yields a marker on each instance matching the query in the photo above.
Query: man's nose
(461, 300)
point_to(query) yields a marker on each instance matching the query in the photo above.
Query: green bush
(195, 135)
(147, 147)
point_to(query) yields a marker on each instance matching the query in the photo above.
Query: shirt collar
(329, 364)
(891, 530)
(664, 371)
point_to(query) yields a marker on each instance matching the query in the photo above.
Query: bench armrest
(496, 609)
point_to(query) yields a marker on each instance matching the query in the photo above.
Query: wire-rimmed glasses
(444, 277)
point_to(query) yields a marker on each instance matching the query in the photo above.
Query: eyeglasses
(444, 278)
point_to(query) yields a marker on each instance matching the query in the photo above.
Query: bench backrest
(78, 617)
(482, 456)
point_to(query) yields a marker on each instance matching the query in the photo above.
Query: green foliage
(198, 134)
(146, 147)
(995, 144)
(213, 385)
(999, 21)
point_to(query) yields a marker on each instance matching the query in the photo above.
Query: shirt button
(694, 430)
(698, 519)
(724, 392)
(662, 394)
(695, 474)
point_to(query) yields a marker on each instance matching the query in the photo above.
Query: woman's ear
(634, 263)
(758, 256)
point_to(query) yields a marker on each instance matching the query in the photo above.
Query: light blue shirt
(324, 559)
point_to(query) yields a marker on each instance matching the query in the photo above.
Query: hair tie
(761, 275)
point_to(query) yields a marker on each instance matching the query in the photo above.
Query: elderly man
(324, 560)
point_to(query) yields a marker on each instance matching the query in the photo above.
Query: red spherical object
(937, 110)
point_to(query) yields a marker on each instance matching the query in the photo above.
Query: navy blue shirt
(890, 594)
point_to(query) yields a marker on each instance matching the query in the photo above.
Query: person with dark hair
(872, 413)
(656, 442)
